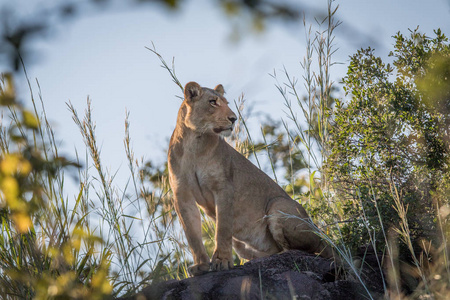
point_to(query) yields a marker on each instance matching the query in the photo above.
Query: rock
(289, 275)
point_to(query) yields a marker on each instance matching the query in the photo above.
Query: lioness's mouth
(219, 130)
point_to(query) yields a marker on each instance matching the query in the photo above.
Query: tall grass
(47, 247)
(102, 240)
(311, 128)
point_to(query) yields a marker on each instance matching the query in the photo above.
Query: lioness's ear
(192, 90)
(219, 89)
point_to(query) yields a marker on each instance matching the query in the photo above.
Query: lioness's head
(207, 110)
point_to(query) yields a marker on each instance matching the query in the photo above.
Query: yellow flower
(13, 163)
(9, 164)
(10, 189)
(22, 221)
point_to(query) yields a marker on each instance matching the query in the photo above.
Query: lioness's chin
(225, 133)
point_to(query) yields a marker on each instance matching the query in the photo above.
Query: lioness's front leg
(223, 256)
(189, 215)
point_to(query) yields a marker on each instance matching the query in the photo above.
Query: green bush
(390, 145)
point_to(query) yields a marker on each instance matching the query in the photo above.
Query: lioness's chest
(204, 171)
(202, 178)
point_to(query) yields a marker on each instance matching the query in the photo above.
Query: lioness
(248, 207)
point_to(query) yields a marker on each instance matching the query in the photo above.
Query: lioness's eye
(213, 102)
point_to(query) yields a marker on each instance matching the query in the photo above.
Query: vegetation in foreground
(371, 168)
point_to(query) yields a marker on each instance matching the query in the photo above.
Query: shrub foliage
(390, 142)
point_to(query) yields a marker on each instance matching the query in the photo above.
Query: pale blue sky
(103, 55)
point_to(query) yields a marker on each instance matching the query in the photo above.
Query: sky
(102, 55)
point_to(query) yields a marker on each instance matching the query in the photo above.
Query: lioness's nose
(232, 119)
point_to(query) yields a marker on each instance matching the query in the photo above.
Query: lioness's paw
(219, 263)
(199, 269)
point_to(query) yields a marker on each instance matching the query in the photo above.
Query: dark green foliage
(390, 142)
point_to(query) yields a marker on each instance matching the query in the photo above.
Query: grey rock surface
(289, 275)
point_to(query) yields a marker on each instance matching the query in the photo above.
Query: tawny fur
(248, 207)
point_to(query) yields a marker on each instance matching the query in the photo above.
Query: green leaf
(30, 120)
